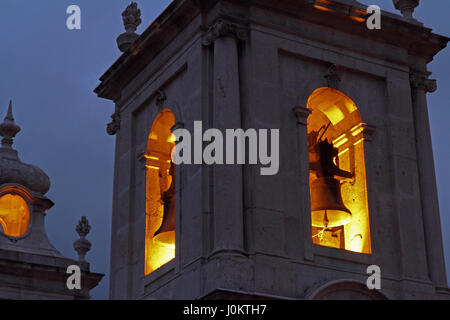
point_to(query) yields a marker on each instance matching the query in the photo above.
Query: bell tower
(356, 184)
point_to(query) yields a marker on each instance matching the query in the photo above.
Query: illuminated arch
(14, 215)
(336, 118)
(160, 201)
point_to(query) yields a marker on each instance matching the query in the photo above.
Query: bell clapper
(325, 220)
(321, 233)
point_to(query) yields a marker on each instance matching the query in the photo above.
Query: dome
(12, 170)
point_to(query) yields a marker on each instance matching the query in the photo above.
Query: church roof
(12, 169)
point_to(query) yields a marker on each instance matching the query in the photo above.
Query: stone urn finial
(82, 245)
(8, 128)
(131, 20)
(131, 17)
(406, 7)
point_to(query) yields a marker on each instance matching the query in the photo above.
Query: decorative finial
(9, 114)
(131, 17)
(406, 7)
(8, 129)
(131, 20)
(82, 245)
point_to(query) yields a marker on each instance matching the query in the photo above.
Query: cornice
(348, 15)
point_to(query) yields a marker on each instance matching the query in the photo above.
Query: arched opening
(337, 177)
(160, 194)
(345, 289)
(14, 215)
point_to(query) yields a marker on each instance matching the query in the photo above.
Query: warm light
(159, 248)
(334, 226)
(172, 138)
(357, 18)
(343, 151)
(359, 141)
(14, 215)
(340, 141)
(166, 239)
(357, 130)
(323, 8)
(161, 254)
(334, 114)
(350, 106)
(136, 52)
(327, 207)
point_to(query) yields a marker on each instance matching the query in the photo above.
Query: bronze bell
(327, 208)
(166, 232)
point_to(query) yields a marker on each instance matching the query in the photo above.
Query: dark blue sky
(50, 73)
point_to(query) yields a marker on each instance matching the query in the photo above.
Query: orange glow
(172, 138)
(14, 215)
(342, 231)
(340, 141)
(136, 52)
(159, 249)
(358, 19)
(166, 239)
(356, 130)
(323, 8)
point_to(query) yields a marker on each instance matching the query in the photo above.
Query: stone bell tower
(356, 183)
(30, 266)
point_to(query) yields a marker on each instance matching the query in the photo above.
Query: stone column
(227, 179)
(179, 184)
(428, 190)
(302, 115)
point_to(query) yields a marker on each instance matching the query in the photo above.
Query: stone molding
(368, 131)
(332, 76)
(302, 115)
(141, 158)
(224, 29)
(114, 126)
(160, 98)
(422, 83)
(343, 286)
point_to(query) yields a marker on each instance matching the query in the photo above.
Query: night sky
(50, 72)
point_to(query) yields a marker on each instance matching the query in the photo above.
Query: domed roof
(12, 170)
